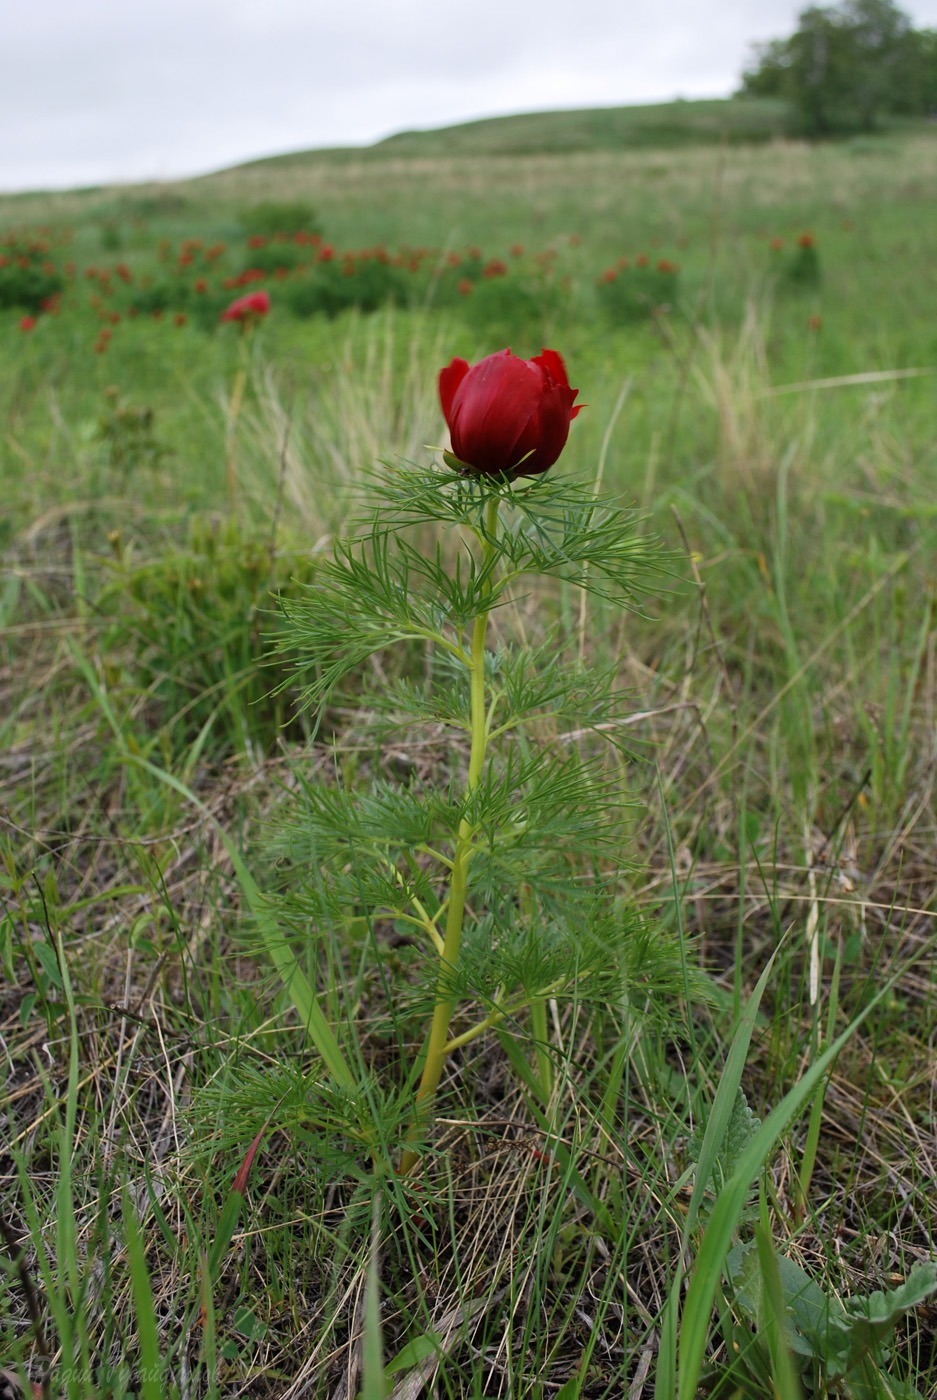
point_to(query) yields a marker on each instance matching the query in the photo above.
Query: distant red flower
(200, 285)
(609, 275)
(517, 250)
(28, 323)
(814, 323)
(508, 416)
(247, 308)
(495, 268)
(641, 260)
(257, 240)
(464, 287)
(776, 245)
(326, 253)
(667, 267)
(179, 319)
(805, 240)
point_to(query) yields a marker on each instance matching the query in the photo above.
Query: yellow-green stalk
(437, 1047)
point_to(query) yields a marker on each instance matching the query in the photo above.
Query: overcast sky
(94, 91)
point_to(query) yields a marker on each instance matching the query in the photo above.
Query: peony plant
(506, 416)
(247, 309)
(500, 884)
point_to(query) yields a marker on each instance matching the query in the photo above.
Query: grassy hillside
(742, 814)
(660, 124)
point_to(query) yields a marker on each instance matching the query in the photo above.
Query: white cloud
(107, 91)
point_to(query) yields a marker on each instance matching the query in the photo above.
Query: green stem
(437, 1048)
(500, 1012)
(538, 1021)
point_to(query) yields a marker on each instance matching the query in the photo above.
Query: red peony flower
(246, 308)
(508, 416)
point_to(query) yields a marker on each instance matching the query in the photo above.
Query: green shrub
(271, 217)
(635, 290)
(199, 621)
(272, 256)
(511, 304)
(161, 294)
(127, 432)
(802, 269)
(28, 277)
(330, 287)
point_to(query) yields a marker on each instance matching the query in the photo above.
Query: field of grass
(705, 1167)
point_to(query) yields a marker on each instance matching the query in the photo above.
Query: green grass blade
(784, 1376)
(151, 1387)
(707, 1270)
(713, 1138)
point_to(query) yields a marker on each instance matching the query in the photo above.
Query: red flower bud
(508, 416)
(254, 304)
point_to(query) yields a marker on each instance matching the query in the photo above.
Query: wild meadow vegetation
(280, 690)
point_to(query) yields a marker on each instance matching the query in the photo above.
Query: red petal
(552, 363)
(449, 380)
(494, 414)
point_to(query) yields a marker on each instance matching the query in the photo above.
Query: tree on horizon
(846, 66)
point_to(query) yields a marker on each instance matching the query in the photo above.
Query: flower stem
(538, 1021)
(436, 1048)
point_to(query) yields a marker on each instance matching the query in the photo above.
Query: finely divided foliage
(527, 841)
